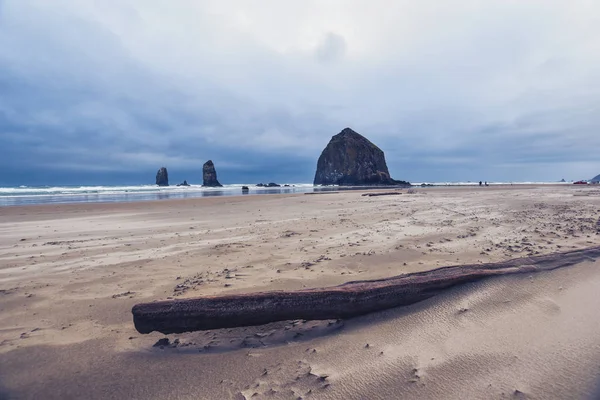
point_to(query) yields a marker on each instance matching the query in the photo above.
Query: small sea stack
(209, 175)
(162, 177)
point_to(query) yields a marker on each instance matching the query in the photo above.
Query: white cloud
(332, 48)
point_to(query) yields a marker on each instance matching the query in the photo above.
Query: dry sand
(69, 275)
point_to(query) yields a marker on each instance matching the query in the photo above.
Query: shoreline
(280, 192)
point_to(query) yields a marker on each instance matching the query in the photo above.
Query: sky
(108, 91)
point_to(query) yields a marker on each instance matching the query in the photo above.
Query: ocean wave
(115, 190)
(23, 195)
(72, 190)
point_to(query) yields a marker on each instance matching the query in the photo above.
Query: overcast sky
(108, 91)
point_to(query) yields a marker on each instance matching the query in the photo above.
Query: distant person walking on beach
(480, 183)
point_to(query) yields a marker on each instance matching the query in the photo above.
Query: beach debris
(234, 310)
(288, 233)
(382, 194)
(124, 294)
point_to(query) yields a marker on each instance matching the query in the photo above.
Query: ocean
(25, 195)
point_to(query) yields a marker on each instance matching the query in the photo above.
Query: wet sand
(69, 275)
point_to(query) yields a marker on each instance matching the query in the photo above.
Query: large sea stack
(162, 177)
(596, 179)
(209, 175)
(350, 159)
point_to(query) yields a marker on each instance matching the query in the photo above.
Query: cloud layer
(108, 91)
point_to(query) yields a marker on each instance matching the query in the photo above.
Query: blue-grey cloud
(332, 48)
(93, 91)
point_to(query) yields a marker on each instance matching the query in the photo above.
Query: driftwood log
(382, 194)
(344, 301)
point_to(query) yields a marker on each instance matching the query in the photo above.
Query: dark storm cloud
(114, 90)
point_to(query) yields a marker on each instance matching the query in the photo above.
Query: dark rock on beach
(162, 177)
(184, 183)
(162, 342)
(270, 184)
(350, 159)
(209, 175)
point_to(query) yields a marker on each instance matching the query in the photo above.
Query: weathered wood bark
(348, 300)
(382, 194)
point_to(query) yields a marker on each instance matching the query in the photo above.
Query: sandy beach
(70, 274)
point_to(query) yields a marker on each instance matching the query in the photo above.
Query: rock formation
(595, 179)
(270, 184)
(184, 183)
(351, 159)
(209, 175)
(162, 177)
